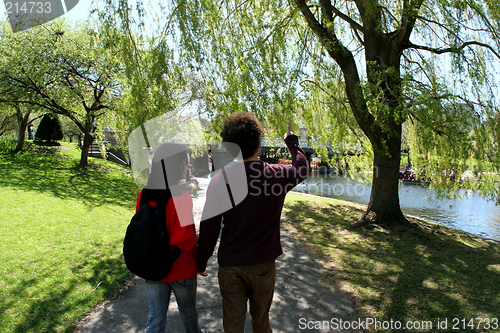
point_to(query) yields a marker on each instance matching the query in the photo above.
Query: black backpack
(146, 247)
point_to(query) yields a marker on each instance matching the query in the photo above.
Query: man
(250, 238)
(31, 133)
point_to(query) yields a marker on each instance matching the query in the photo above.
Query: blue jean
(159, 298)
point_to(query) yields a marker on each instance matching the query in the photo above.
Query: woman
(166, 187)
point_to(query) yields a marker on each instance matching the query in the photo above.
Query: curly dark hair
(243, 129)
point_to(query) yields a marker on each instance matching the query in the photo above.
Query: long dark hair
(166, 172)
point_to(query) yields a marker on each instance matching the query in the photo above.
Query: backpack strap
(228, 187)
(164, 173)
(160, 197)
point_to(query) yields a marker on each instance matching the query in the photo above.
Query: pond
(472, 214)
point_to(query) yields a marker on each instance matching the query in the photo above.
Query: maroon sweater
(251, 229)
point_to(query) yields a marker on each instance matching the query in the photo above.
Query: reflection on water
(473, 214)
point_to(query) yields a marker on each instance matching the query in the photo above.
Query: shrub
(49, 129)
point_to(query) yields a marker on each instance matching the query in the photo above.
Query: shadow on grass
(415, 275)
(103, 183)
(49, 293)
(63, 299)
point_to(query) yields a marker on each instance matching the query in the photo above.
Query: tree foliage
(154, 81)
(61, 69)
(160, 95)
(354, 72)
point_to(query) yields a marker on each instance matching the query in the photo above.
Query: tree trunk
(383, 207)
(23, 123)
(88, 139)
(87, 142)
(20, 140)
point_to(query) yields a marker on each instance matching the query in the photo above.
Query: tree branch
(408, 19)
(327, 37)
(442, 26)
(329, 10)
(360, 4)
(345, 59)
(453, 49)
(354, 25)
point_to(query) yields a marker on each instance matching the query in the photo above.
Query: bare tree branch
(410, 16)
(454, 49)
(329, 10)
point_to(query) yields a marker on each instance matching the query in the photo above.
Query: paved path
(298, 299)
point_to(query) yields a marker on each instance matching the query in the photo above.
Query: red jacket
(182, 231)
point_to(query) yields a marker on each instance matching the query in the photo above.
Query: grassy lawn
(431, 274)
(62, 232)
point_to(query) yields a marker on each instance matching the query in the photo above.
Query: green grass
(403, 159)
(62, 232)
(428, 274)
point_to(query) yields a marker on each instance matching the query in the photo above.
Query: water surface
(472, 214)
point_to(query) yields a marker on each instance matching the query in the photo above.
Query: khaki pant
(240, 284)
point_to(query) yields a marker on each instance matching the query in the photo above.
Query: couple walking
(247, 218)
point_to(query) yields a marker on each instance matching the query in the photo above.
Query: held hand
(288, 132)
(203, 273)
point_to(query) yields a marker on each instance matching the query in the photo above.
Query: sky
(80, 11)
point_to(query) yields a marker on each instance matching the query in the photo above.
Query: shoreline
(409, 215)
(396, 273)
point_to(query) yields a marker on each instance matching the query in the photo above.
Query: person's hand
(203, 273)
(289, 132)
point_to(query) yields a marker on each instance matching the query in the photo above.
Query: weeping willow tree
(354, 73)
(154, 84)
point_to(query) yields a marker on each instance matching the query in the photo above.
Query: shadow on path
(298, 297)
